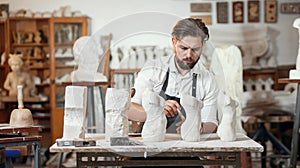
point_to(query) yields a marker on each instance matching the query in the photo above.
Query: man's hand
(171, 107)
(178, 129)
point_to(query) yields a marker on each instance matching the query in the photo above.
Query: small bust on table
(18, 76)
(295, 73)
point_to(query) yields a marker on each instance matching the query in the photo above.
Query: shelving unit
(3, 46)
(46, 45)
(3, 68)
(30, 38)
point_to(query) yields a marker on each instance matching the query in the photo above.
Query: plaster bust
(87, 54)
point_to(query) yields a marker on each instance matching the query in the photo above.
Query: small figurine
(28, 38)
(295, 73)
(37, 37)
(18, 76)
(227, 129)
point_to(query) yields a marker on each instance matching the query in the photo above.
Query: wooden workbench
(13, 136)
(210, 146)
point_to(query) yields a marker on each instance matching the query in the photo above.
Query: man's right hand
(171, 107)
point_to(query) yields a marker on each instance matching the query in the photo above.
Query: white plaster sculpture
(154, 128)
(122, 62)
(75, 30)
(28, 13)
(69, 32)
(254, 41)
(20, 117)
(67, 11)
(230, 76)
(227, 127)
(132, 64)
(259, 84)
(295, 73)
(158, 52)
(248, 84)
(37, 15)
(75, 114)
(141, 57)
(77, 13)
(87, 53)
(268, 84)
(46, 14)
(190, 129)
(286, 99)
(115, 58)
(168, 51)
(149, 51)
(68, 53)
(117, 102)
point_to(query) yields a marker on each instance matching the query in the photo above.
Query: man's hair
(190, 27)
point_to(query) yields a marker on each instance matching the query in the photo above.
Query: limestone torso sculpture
(75, 114)
(190, 129)
(117, 103)
(154, 128)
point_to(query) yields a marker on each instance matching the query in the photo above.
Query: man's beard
(184, 65)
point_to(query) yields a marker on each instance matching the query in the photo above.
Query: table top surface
(288, 80)
(13, 99)
(104, 83)
(12, 135)
(7, 129)
(172, 143)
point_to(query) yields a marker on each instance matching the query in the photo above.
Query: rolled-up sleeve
(211, 90)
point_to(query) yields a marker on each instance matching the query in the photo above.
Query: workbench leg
(238, 160)
(295, 138)
(37, 155)
(246, 160)
(61, 156)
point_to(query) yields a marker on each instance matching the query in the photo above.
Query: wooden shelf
(42, 85)
(39, 67)
(30, 45)
(63, 45)
(28, 19)
(25, 99)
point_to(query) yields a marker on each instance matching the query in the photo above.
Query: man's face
(187, 51)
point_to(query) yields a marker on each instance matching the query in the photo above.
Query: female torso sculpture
(18, 76)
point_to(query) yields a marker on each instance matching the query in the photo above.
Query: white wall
(103, 12)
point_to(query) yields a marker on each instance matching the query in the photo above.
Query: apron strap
(165, 85)
(194, 85)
